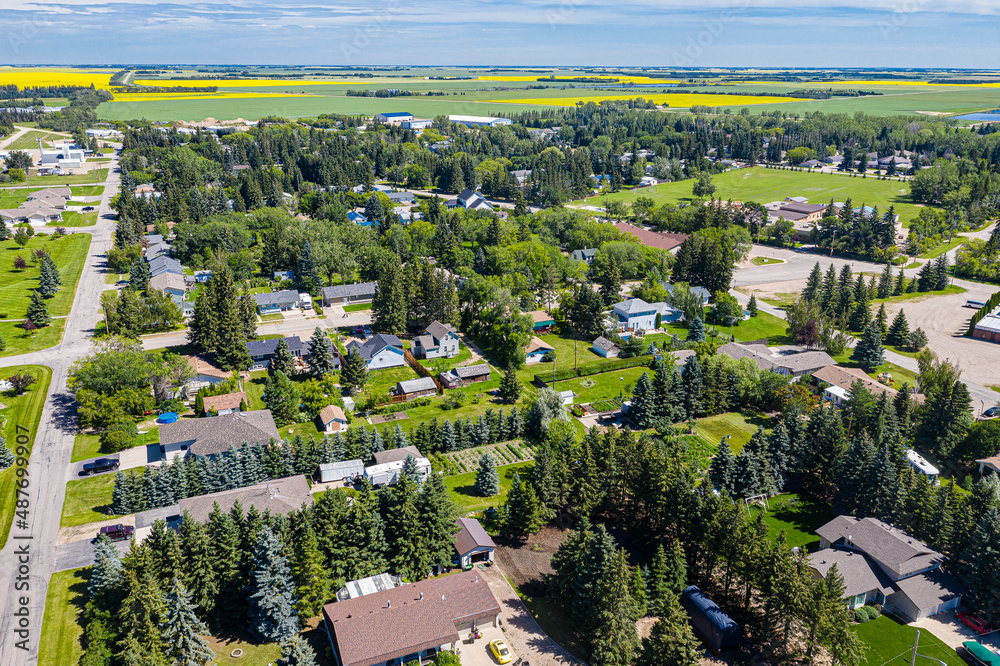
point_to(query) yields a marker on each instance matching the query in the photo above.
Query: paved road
(79, 554)
(50, 466)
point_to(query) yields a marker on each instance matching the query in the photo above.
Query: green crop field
(764, 185)
(30, 139)
(895, 100)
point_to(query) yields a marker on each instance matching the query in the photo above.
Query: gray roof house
(883, 564)
(703, 294)
(395, 455)
(380, 351)
(416, 388)
(606, 348)
(586, 254)
(278, 496)
(275, 301)
(213, 435)
(349, 293)
(163, 264)
(789, 364)
(465, 375)
(262, 351)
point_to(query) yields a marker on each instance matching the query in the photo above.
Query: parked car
(974, 622)
(978, 655)
(501, 651)
(99, 465)
(992, 412)
(87, 209)
(117, 532)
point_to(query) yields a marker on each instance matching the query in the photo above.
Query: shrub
(550, 357)
(119, 436)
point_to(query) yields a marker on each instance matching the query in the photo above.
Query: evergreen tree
(438, 521)
(917, 340)
(281, 398)
(107, 574)
(899, 331)
(354, 374)
(296, 652)
(510, 386)
(724, 471)
(7, 457)
(320, 353)
(882, 321)
(667, 577)
(196, 569)
(46, 281)
(637, 588)
(183, 632)
(307, 268)
(612, 617)
(850, 475)
(524, 512)
(139, 615)
(861, 316)
(487, 477)
(694, 387)
(642, 411)
(224, 539)
(814, 284)
(389, 307)
(218, 323)
(313, 583)
(282, 360)
(408, 556)
(671, 642)
(139, 275)
(885, 283)
(947, 417)
(696, 330)
(752, 305)
(272, 591)
(38, 311)
(869, 352)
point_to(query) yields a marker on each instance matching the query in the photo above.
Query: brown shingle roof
(844, 377)
(395, 623)
(277, 496)
(224, 401)
(214, 434)
(536, 344)
(331, 412)
(472, 535)
(652, 238)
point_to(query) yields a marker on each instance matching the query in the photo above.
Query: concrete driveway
(478, 653)
(77, 467)
(952, 632)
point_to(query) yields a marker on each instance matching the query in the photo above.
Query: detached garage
(473, 544)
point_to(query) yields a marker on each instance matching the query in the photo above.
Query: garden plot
(506, 453)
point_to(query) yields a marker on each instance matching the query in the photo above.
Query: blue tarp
(716, 628)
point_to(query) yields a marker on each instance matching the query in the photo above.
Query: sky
(664, 33)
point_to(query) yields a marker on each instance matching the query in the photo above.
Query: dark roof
(471, 536)
(375, 344)
(439, 330)
(886, 544)
(276, 297)
(798, 207)
(717, 628)
(394, 455)
(605, 344)
(860, 574)
(214, 434)
(805, 361)
(401, 196)
(162, 263)
(389, 624)
(468, 371)
(357, 289)
(277, 496)
(418, 384)
(929, 589)
(268, 347)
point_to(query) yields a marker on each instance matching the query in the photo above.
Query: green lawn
(437, 365)
(253, 653)
(762, 326)
(75, 219)
(87, 500)
(739, 426)
(947, 246)
(603, 386)
(799, 516)
(87, 190)
(23, 411)
(763, 185)
(69, 254)
(765, 261)
(61, 624)
(900, 374)
(92, 177)
(20, 341)
(921, 295)
(357, 307)
(29, 140)
(86, 446)
(891, 642)
(463, 491)
(275, 316)
(380, 381)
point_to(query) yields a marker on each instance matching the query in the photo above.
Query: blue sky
(769, 33)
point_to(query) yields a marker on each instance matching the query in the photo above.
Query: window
(859, 600)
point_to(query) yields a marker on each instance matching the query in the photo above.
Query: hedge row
(983, 311)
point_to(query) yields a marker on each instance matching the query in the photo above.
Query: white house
(606, 348)
(439, 341)
(472, 543)
(635, 314)
(380, 351)
(332, 418)
(536, 350)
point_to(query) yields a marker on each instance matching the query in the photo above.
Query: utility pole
(913, 659)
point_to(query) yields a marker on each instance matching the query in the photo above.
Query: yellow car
(501, 651)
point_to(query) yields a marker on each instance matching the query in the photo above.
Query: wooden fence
(412, 361)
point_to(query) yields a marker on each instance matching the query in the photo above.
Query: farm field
(897, 101)
(29, 140)
(25, 411)
(673, 100)
(764, 185)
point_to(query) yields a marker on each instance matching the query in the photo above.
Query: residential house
(153, 239)
(157, 250)
(332, 419)
(344, 470)
(522, 176)
(606, 348)
(471, 200)
(283, 275)
(587, 254)
(163, 264)
(359, 219)
(411, 389)
(417, 124)
(170, 283)
(276, 301)
(380, 351)
(704, 295)
(276, 496)
(212, 436)
(227, 403)
(33, 212)
(541, 322)
(472, 544)
(262, 351)
(345, 294)
(536, 350)
(63, 193)
(788, 364)
(660, 241)
(635, 314)
(205, 373)
(402, 198)
(465, 375)
(395, 455)
(841, 379)
(410, 622)
(439, 341)
(882, 564)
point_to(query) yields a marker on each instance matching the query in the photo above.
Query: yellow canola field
(234, 83)
(611, 79)
(26, 78)
(679, 101)
(156, 97)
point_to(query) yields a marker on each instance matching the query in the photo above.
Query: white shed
(388, 473)
(340, 471)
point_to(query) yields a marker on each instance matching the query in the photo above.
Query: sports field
(765, 185)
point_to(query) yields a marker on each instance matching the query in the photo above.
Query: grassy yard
(762, 326)
(24, 411)
(87, 190)
(358, 307)
(566, 350)
(87, 500)
(276, 316)
(891, 642)
(739, 426)
(920, 295)
(437, 365)
(765, 261)
(86, 446)
(20, 341)
(799, 516)
(61, 624)
(74, 219)
(463, 490)
(253, 653)
(69, 254)
(900, 374)
(380, 381)
(947, 246)
(91, 177)
(606, 385)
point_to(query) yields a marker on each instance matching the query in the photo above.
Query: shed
(472, 543)
(717, 629)
(412, 389)
(341, 471)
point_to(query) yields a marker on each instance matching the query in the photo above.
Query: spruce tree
(899, 331)
(696, 330)
(917, 340)
(7, 457)
(487, 477)
(510, 385)
(637, 588)
(614, 639)
(139, 275)
(272, 591)
(320, 353)
(694, 387)
(885, 283)
(882, 321)
(814, 284)
(107, 573)
(281, 398)
(354, 374)
(139, 616)
(283, 359)
(313, 583)
(38, 311)
(183, 632)
(408, 556)
(667, 577)
(389, 307)
(642, 411)
(197, 573)
(869, 352)
(438, 521)
(671, 642)
(524, 512)
(752, 305)
(224, 538)
(306, 268)
(296, 652)
(723, 472)
(46, 281)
